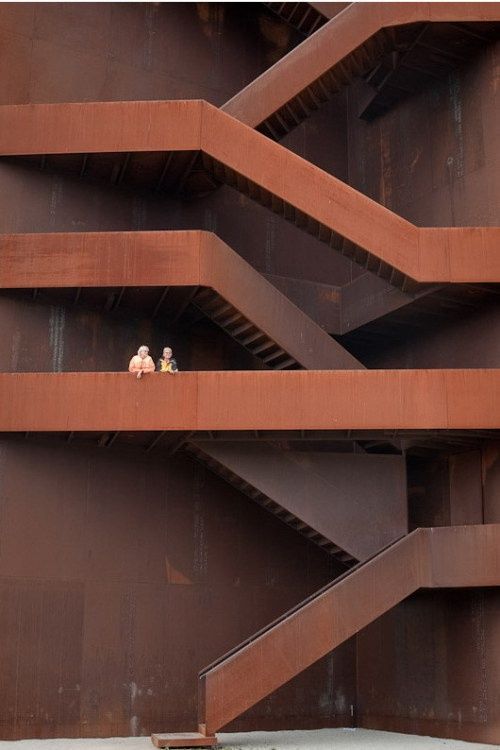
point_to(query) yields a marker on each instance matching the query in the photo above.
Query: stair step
(183, 739)
(287, 363)
(263, 347)
(227, 322)
(242, 329)
(221, 310)
(253, 337)
(275, 355)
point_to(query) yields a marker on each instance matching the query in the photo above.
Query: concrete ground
(319, 739)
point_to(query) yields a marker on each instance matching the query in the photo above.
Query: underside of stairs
(396, 51)
(324, 496)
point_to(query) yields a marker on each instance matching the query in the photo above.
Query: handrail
(301, 604)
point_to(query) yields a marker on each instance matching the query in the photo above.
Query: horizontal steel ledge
(425, 255)
(225, 400)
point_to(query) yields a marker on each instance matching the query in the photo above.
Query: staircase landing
(183, 739)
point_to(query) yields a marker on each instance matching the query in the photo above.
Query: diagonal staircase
(444, 557)
(426, 558)
(339, 216)
(266, 502)
(323, 496)
(243, 330)
(306, 17)
(397, 47)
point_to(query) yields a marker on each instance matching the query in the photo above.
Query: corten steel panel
(321, 302)
(453, 341)
(177, 126)
(129, 51)
(434, 159)
(427, 558)
(189, 258)
(100, 127)
(466, 491)
(370, 399)
(491, 482)
(93, 543)
(356, 501)
(465, 556)
(394, 399)
(412, 652)
(332, 43)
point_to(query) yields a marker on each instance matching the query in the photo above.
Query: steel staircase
(443, 557)
(302, 16)
(203, 456)
(396, 49)
(243, 330)
(279, 206)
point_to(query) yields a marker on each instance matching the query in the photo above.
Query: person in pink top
(141, 362)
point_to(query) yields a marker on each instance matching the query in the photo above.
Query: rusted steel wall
(472, 337)
(113, 600)
(434, 158)
(431, 666)
(490, 465)
(119, 579)
(40, 337)
(457, 489)
(437, 656)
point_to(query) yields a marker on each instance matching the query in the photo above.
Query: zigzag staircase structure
(193, 146)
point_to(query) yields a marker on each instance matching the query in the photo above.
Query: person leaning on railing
(141, 362)
(167, 363)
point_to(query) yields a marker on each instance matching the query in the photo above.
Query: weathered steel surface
(424, 254)
(79, 591)
(435, 158)
(428, 558)
(357, 501)
(330, 45)
(437, 652)
(183, 739)
(65, 52)
(116, 577)
(138, 259)
(366, 399)
(466, 490)
(491, 482)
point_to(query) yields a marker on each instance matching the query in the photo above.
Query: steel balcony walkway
(401, 45)
(223, 286)
(250, 400)
(445, 557)
(137, 139)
